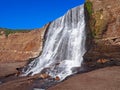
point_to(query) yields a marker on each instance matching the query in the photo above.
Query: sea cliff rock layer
(17, 48)
(103, 18)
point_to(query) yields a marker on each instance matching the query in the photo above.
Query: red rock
(57, 78)
(102, 61)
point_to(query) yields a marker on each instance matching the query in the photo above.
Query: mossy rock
(97, 20)
(88, 6)
(99, 25)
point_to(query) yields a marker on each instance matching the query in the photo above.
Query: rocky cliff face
(21, 46)
(104, 24)
(18, 48)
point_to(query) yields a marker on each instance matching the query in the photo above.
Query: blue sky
(28, 14)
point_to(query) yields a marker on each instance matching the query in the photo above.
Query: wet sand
(101, 79)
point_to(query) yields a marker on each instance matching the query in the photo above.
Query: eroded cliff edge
(103, 22)
(17, 48)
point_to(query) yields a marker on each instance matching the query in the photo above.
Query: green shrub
(11, 31)
(88, 5)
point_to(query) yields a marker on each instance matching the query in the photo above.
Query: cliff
(18, 47)
(103, 18)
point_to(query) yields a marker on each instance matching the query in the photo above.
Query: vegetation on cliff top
(7, 31)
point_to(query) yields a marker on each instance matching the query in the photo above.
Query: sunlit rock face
(64, 46)
(18, 47)
(21, 46)
(105, 28)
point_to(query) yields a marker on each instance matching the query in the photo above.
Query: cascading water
(64, 46)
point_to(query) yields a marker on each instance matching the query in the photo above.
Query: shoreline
(30, 82)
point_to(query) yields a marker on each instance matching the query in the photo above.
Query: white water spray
(64, 46)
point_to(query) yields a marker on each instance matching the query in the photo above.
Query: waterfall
(64, 46)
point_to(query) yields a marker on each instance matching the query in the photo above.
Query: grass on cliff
(97, 20)
(11, 31)
(88, 5)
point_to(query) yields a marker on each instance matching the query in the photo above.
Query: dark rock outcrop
(104, 24)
